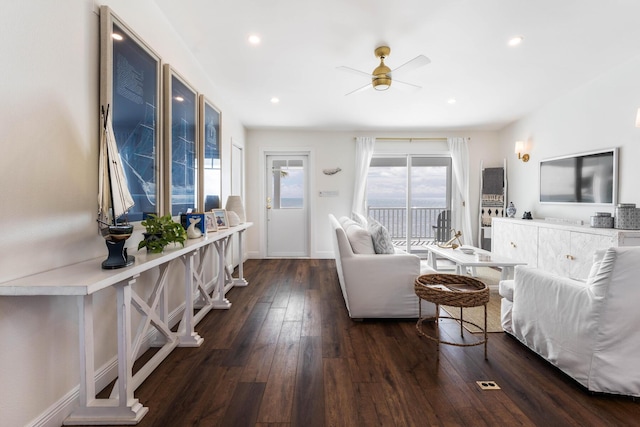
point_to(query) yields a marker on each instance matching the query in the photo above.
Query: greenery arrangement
(160, 231)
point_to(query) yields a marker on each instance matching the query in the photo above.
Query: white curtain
(461, 210)
(364, 152)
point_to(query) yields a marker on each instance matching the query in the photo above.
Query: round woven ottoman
(455, 291)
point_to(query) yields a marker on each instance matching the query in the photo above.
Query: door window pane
(407, 195)
(387, 194)
(288, 184)
(429, 201)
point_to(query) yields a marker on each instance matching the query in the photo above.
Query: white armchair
(376, 285)
(590, 330)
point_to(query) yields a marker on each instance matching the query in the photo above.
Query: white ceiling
(567, 43)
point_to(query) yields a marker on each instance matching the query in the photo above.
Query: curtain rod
(416, 139)
(411, 139)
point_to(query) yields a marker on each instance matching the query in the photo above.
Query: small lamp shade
(519, 147)
(234, 204)
(638, 119)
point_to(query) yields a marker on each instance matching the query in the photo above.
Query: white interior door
(287, 206)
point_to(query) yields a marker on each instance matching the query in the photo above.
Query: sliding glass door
(411, 196)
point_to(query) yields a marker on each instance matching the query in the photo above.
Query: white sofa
(589, 329)
(375, 285)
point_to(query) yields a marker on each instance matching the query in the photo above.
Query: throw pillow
(381, 238)
(360, 240)
(360, 219)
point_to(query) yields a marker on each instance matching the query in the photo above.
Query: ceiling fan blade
(354, 71)
(360, 89)
(418, 61)
(405, 87)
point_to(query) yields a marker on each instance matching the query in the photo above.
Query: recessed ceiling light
(254, 39)
(515, 41)
(117, 36)
(275, 100)
(451, 101)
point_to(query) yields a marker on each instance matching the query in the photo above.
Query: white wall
(337, 149)
(598, 115)
(48, 184)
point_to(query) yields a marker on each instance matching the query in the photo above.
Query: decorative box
(602, 220)
(627, 217)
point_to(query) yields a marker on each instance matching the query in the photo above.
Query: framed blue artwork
(181, 141)
(210, 120)
(130, 85)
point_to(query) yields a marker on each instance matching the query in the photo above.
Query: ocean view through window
(407, 194)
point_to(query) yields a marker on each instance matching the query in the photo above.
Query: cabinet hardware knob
(571, 257)
(513, 245)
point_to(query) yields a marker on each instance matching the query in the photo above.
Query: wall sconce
(638, 119)
(520, 148)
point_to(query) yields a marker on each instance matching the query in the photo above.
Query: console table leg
(187, 336)
(240, 280)
(87, 369)
(506, 273)
(220, 301)
(124, 409)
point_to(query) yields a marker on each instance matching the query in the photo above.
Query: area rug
(490, 277)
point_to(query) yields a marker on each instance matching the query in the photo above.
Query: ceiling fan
(382, 76)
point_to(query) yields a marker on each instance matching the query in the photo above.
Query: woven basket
(461, 291)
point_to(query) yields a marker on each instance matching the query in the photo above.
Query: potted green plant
(160, 231)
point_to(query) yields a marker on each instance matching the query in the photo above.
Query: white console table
(84, 279)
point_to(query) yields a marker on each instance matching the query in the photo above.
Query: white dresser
(563, 249)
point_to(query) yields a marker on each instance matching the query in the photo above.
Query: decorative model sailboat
(114, 198)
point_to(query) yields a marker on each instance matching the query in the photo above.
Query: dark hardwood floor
(286, 353)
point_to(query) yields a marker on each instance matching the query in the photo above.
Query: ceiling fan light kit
(380, 78)
(382, 75)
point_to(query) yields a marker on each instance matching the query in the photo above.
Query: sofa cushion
(360, 219)
(505, 289)
(382, 243)
(360, 240)
(345, 221)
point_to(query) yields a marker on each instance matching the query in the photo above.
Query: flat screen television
(585, 178)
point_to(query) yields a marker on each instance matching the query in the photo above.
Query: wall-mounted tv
(585, 178)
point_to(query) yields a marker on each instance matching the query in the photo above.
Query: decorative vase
(511, 210)
(234, 220)
(234, 204)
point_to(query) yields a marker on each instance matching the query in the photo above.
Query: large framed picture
(210, 167)
(221, 218)
(130, 88)
(181, 142)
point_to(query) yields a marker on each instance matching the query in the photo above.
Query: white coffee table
(479, 258)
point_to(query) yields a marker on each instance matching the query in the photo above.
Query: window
(408, 194)
(288, 184)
